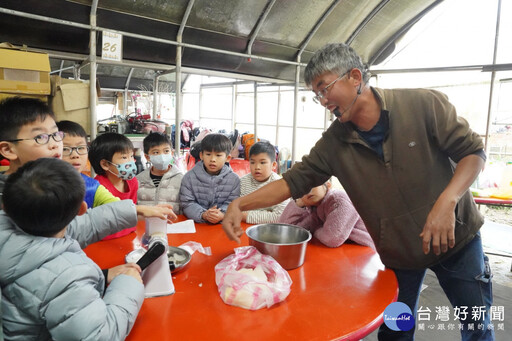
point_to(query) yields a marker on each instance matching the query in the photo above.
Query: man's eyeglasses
(80, 150)
(44, 138)
(322, 93)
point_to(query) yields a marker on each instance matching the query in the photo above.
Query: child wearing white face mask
(111, 157)
(159, 183)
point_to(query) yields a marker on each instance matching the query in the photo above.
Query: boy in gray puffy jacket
(209, 187)
(161, 182)
(50, 289)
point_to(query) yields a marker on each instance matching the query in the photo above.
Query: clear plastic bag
(251, 280)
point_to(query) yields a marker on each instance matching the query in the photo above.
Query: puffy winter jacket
(201, 191)
(168, 191)
(52, 290)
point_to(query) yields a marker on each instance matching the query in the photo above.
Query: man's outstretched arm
(266, 196)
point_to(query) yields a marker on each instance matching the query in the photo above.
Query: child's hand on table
(213, 215)
(130, 269)
(162, 211)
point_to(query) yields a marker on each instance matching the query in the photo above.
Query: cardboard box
(23, 72)
(70, 101)
(4, 95)
(120, 101)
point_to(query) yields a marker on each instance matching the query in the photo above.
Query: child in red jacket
(111, 157)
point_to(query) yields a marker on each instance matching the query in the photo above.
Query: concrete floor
(497, 241)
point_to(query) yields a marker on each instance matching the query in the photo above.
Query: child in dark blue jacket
(209, 187)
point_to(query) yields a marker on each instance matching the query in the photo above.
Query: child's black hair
(71, 128)
(15, 112)
(263, 147)
(105, 146)
(155, 139)
(218, 143)
(43, 196)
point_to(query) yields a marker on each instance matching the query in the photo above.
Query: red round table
(338, 294)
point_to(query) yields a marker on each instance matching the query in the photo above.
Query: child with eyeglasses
(111, 157)
(27, 132)
(75, 152)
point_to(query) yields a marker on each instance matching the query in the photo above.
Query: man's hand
(439, 228)
(162, 211)
(266, 196)
(440, 225)
(130, 269)
(245, 214)
(232, 220)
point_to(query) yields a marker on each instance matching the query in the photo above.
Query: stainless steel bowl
(284, 242)
(178, 258)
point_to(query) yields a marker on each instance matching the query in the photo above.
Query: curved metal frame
(401, 31)
(92, 59)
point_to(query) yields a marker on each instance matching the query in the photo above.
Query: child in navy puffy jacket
(208, 188)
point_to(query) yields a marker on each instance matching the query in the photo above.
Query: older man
(406, 161)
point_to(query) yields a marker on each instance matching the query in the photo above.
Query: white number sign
(112, 48)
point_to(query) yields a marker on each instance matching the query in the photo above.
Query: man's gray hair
(335, 58)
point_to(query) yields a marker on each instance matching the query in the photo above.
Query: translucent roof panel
(505, 35)
(455, 33)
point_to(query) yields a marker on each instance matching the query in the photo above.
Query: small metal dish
(134, 256)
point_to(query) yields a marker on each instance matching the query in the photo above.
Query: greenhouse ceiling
(254, 39)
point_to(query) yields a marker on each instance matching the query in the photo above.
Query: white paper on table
(186, 226)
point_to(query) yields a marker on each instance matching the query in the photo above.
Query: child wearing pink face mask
(329, 215)
(111, 157)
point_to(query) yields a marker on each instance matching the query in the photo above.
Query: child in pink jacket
(329, 215)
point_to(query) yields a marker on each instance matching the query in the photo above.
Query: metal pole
(125, 102)
(255, 112)
(92, 72)
(61, 67)
(233, 106)
(155, 97)
(76, 72)
(316, 27)
(278, 113)
(295, 109)
(125, 97)
(259, 25)
(177, 132)
(166, 68)
(179, 51)
(200, 103)
(493, 76)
